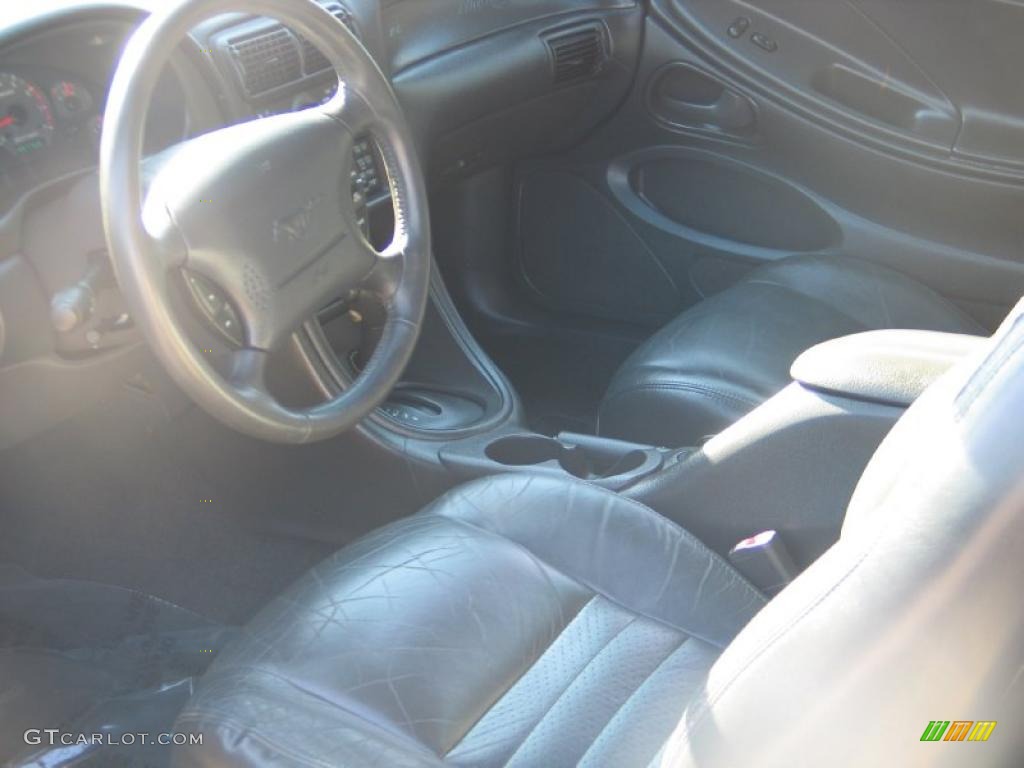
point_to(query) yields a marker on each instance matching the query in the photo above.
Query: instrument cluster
(45, 129)
(51, 123)
(29, 115)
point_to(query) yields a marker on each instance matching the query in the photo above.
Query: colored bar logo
(958, 730)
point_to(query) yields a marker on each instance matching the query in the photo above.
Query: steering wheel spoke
(384, 280)
(167, 246)
(352, 110)
(249, 371)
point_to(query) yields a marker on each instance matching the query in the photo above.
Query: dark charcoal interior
(689, 262)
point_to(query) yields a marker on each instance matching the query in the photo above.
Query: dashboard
(54, 77)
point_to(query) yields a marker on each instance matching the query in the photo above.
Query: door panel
(972, 50)
(830, 55)
(825, 134)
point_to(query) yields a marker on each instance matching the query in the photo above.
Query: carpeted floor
(182, 508)
(136, 539)
(87, 658)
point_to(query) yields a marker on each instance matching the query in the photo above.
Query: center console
(792, 464)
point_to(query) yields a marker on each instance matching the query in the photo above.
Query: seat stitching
(569, 685)
(523, 674)
(636, 690)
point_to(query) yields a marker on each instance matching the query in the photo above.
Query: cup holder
(521, 451)
(600, 460)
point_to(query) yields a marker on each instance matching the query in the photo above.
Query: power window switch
(739, 27)
(764, 42)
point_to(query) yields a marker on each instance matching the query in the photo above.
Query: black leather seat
(728, 354)
(519, 620)
(534, 621)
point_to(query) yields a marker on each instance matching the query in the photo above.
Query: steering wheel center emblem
(295, 226)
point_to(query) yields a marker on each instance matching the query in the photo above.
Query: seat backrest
(916, 615)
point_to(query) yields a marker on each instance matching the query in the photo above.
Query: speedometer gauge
(26, 119)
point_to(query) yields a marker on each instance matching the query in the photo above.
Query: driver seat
(526, 620)
(727, 354)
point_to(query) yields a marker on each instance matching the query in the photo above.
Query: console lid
(891, 366)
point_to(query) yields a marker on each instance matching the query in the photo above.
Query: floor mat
(100, 665)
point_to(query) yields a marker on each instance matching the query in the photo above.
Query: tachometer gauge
(26, 120)
(71, 100)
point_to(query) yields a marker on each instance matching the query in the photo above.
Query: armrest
(892, 367)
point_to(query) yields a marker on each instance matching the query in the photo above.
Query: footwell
(80, 660)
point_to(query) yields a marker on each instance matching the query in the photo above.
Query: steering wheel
(264, 210)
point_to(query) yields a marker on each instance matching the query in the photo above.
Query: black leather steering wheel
(265, 211)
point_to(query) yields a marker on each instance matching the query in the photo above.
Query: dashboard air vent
(313, 59)
(577, 53)
(266, 60)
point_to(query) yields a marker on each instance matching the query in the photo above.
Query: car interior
(511, 382)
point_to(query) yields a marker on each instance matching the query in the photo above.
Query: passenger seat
(726, 355)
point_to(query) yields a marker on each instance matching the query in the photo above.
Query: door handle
(731, 112)
(685, 96)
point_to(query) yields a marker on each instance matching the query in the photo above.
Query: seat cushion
(519, 620)
(731, 352)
